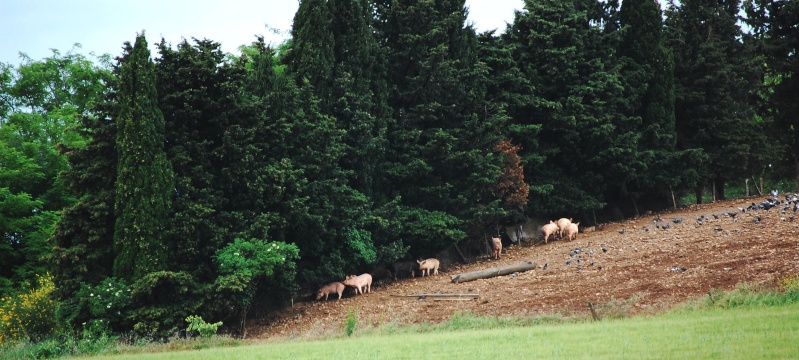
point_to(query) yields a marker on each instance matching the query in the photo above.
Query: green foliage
(206, 330)
(244, 265)
(352, 322)
(360, 244)
(29, 315)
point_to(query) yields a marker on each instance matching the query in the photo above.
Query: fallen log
(494, 271)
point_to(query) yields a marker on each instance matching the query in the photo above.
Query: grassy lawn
(740, 333)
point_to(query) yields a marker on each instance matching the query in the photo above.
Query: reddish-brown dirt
(640, 271)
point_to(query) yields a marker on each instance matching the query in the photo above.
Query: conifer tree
(774, 26)
(647, 72)
(716, 82)
(197, 90)
(438, 137)
(588, 144)
(144, 175)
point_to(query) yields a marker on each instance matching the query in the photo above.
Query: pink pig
(334, 287)
(360, 283)
(549, 229)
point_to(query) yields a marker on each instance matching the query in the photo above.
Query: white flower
(237, 254)
(92, 294)
(109, 305)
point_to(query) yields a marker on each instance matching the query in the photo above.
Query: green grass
(709, 333)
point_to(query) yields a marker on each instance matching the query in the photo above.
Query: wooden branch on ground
(494, 271)
(440, 296)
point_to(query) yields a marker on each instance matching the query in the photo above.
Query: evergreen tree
(588, 144)
(197, 92)
(775, 27)
(440, 161)
(716, 80)
(647, 72)
(311, 57)
(144, 184)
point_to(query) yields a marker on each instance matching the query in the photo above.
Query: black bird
(719, 229)
(603, 249)
(698, 221)
(757, 220)
(716, 216)
(676, 221)
(545, 266)
(621, 231)
(569, 262)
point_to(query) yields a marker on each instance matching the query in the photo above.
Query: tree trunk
(698, 193)
(494, 271)
(719, 186)
(797, 175)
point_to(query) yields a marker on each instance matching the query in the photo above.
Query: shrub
(107, 304)
(199, 325)
(29, 314)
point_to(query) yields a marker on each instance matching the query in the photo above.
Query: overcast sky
(102, 26)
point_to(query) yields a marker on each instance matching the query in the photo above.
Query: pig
(562, 224)
(404, 267)
(427, 265)
(360, 283)
(334, 287)
(548, 230)
(381, 275)
(496, 244)
(571, 231)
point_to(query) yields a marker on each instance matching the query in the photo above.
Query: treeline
(199, 182)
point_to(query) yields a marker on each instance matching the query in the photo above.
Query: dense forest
(149, 187)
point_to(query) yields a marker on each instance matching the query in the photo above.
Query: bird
(676, 221)
(545, 266)
(603, 249)
(621, 231)
(716, 216)
(665, 227)
(699, 222)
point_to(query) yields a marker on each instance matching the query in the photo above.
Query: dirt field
(642, 268)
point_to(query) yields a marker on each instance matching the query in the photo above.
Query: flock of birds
(788, 208)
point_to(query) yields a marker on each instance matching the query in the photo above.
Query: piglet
(360, 283)
(549, 229)
(571, 231)
(427, 265)
(496, 243)
(334, 287)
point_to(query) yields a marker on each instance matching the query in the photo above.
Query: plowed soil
(642, 268)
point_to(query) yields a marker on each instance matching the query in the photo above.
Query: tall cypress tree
(589, 145)
(144, 175)
(441, 157)
(775, 27)
(196, 90)
(716, 81)
(647, 72)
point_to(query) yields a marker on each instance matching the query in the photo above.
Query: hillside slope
(641, 269)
